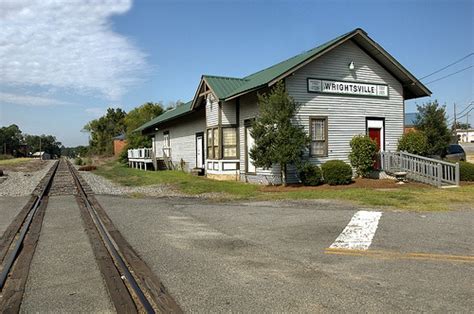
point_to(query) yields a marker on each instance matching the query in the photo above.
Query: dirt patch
(362, 183)
(31, 165)
(101, 160)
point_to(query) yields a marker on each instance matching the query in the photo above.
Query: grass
(14, 161)
(185, 182)
(419, 198)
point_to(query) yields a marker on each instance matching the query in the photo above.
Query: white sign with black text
(347, 88)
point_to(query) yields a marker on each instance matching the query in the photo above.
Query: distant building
(465, 135)
(41, 155)
(410, 120)
(119, 144)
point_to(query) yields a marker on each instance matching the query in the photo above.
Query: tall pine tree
(277, 140)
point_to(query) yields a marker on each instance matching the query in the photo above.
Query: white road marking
(360, 231)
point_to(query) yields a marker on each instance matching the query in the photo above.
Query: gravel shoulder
(101, 185)
(23, 183)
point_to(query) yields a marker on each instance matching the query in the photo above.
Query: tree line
(117, 122)
(15, 143)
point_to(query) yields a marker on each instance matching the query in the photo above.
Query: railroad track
(131, 284)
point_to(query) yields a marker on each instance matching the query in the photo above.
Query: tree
(73, 152)
(459, 125)
(431, 119)
(277, 140)
(414, 142)
(10, 139)
(102, 130)
(45, 143)
(136, 118)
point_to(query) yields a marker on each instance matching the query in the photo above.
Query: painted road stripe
(359, 233)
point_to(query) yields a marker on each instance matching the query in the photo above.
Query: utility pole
(455, 124)
(467, 127)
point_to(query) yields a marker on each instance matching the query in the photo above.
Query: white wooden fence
(418, 168)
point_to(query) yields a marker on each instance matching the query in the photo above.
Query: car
(455, 152)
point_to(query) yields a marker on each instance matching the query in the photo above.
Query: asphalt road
(273, 257)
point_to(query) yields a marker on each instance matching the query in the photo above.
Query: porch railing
(140, 153)
(422, 169)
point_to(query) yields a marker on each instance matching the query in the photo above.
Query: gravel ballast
(101, 185)
(20, 183)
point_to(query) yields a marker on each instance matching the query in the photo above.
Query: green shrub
(362, 155)
(310, 174)
(414, 142)
(78, 161)
(336, 172)
(466, 170)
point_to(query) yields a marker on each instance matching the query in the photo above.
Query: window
(166, 139)
(229, 142)
(215, 137)
(318, 128)
(213, 143)
(228, 146)
(209, 144)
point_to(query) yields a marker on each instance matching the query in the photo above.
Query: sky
(63, 63)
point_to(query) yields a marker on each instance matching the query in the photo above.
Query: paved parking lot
(274, 257)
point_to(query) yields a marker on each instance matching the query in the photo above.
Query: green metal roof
(180, 110)
(228, 87)
(263, 77)
(223, 86)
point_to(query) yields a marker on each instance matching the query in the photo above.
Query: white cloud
(27, 100)
(68, 45)
(95, 112)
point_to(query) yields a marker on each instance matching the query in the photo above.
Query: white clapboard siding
(212, 111)
(182, 139)
(249, 110)
(347, 114)
(229, 112)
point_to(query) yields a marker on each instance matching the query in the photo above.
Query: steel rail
(112, 247)
(12, 255)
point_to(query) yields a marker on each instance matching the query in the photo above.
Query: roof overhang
(412, 87)
(203, 89)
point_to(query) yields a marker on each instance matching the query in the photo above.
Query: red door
(374, 134)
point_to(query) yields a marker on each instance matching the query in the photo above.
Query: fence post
(457, 174)
(440, 174)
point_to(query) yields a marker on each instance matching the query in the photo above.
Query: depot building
(346, 87)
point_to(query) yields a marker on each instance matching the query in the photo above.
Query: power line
(449, 75)
(467, 107)
(467, 113)
(456, 62)
(450, 120)
(460, 117)
(462, 111)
